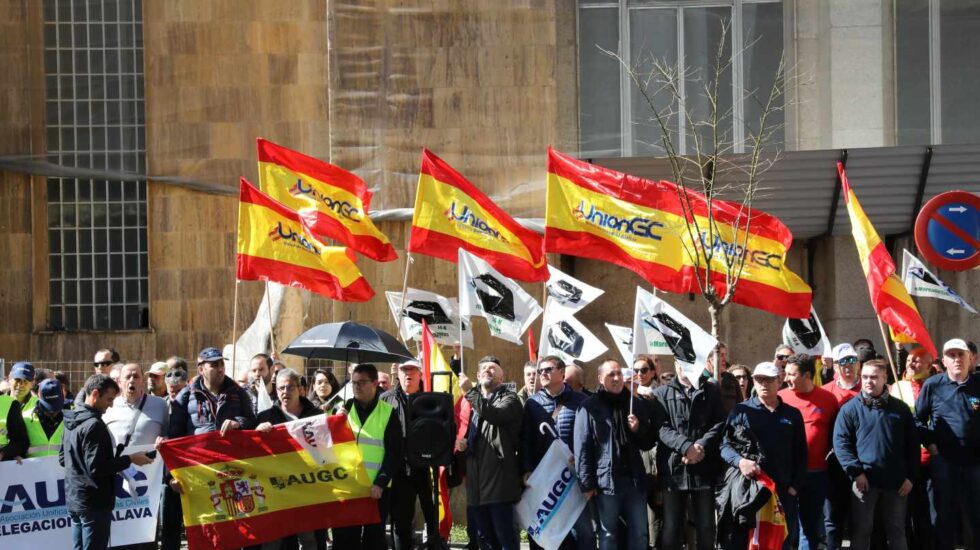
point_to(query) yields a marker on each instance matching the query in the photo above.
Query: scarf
(874, 402)
(620, 404)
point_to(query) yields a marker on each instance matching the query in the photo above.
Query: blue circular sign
(947, 231)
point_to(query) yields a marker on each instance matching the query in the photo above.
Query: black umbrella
(348, 341)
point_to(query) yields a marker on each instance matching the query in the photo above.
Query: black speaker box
(431, 429)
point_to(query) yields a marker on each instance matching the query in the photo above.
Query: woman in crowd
(325, 386)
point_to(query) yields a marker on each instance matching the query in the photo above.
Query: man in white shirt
(135, 412)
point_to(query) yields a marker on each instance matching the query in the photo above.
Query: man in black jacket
(91, 466)
(877, 444)
(611, 428)
(688, 460)
(410, 484)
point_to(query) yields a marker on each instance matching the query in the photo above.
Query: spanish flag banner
(434, 363)
(246, 487)
(332, 201)
(889, 297)
(451, 213)
(597, 213)
(770, 529)
(273, 245)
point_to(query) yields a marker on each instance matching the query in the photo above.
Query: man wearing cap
(13, 432)
(844, 387)
(876, 443)
(175, 381)
(409, 484)
(45, 425)
(948, 417)
(155, 379)
(21, 384)
(779, 430)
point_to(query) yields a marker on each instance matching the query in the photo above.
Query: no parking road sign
(947, 231)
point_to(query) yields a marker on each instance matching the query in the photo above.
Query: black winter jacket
(196, 411)
(88, 457)
(698, 417)
(740, 497)
(275, 415)
(600, 457)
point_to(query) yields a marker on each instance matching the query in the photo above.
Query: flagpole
(401, 307)
(234, 331)
(461, 346)
(272, 328)
(891, 362)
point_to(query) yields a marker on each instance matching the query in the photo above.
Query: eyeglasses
(546, 370)
(847, 361)
(764, 379)
(782, 357)
(643, 370)
(290, 387)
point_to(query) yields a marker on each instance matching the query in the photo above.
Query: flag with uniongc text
(452, 214)
(643, 225)
(889, 298)
(333, 202)
(273, 245)
(245, 487)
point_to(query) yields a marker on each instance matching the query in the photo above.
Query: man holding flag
(409, 484)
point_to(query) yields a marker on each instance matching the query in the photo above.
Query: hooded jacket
(89, 461)
(194, 411)
(605, 448)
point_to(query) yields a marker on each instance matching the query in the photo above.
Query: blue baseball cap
(22, 370)
(210, 355)
(50, 396)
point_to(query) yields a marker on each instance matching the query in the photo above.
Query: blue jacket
(539, 409)
(781, 436)
(948, 415)
(193, 412)
(880, 443)
(600, 458)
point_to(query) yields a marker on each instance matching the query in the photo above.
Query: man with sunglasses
(778, 429)
(104, 359)
(844, 386)
(779, 358)
(554, 405)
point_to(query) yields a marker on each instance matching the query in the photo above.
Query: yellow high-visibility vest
(370, 436)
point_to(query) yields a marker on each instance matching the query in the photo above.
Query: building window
(97, 244)
(936, 71)
(615, 118)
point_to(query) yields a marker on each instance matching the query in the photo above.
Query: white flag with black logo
(623, 338)
(807, 336)
(563, 335)
(919, 281)
(568, 293)
(484, 292)
(689, 343)
(439, 312)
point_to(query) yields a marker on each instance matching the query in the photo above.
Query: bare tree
(719, 166)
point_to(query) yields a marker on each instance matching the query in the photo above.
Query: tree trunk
(715, 313)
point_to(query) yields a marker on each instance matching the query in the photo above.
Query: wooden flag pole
(272, 328)
(234, 332)
(891, 362)
(401, 307)
(461, 346)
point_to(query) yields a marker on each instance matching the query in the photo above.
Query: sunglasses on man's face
(782, 357)
(847, 361)
(546, 370)
(103, 363)
(764, 379)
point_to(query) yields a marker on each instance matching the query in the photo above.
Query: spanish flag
(889, 297)
(333, 202)
(274, 246)
(642, 225)
(434, 363)
(246, 487)
(451, 213)
(770, 529)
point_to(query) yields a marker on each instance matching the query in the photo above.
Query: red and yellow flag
(770, 529)
(273, 245)
(642, 225)
(451, 213)
(246, 488)
(889, 297)
(433, 362)
(332, 201)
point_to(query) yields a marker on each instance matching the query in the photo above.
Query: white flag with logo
(553, 500)
(484, 292)
(439, 312)
(689, 344)
(919, 281)
(563, 335)
(807, 336)
(567, 293)
(623, 338)
(314, 436)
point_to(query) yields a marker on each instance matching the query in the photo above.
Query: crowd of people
(663, 461)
